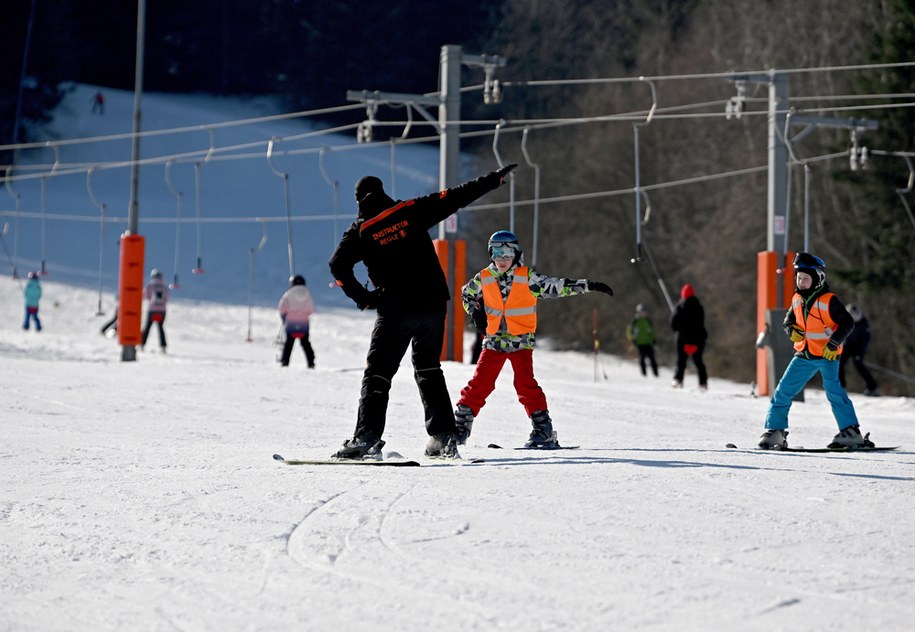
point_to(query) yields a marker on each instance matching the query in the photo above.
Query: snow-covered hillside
(143, 495)
(60, 225)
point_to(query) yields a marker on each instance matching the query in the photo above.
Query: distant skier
(818, 324)
(157, 296)
(640, 332)
(502, 301)
(854, 349)
(688, 320)
(32, 293)
(111, 324)
(295, 309)
(411, 295)
(98, 103)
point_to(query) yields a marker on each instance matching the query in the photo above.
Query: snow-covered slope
(61, 227)
(143, 495)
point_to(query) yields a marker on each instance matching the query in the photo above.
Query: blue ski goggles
(502, 252)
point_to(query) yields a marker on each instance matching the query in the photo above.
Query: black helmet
(810, 264)
(297, 279)
(33, 275)
(502, 240)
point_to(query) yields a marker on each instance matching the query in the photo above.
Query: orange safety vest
(817, 324)
(520, 308)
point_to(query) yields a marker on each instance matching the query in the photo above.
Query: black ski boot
(366, 447)
(542, 435)
(463, 423)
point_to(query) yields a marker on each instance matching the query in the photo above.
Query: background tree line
(707, 233)
(306, 52)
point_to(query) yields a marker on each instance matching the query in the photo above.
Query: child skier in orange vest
(502, 300)
(817, 323)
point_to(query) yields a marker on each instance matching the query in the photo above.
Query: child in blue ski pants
(796, 376)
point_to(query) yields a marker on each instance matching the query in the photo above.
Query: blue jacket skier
(32, 293)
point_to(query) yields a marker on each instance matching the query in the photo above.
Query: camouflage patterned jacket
(541, 285)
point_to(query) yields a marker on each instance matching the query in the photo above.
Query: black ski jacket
(392, 239)
(688, 320)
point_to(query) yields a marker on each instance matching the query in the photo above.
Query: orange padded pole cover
(460, 278)
(130, 289)
(456, 283)
(767, 273)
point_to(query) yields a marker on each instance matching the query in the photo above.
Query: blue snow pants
(798, 373)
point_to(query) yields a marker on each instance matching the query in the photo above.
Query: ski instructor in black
(411, 295)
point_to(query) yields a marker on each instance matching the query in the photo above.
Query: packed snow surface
(144, 496)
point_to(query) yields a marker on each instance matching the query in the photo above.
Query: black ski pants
(683, 356)
(646, 355)
(302, 336)
(159, 319)
(858, 360)
(396, 329)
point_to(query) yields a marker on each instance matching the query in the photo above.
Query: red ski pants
(488, 368)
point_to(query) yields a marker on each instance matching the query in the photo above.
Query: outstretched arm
(435, 207)
(545, 286)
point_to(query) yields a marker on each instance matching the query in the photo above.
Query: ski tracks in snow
(373, 534)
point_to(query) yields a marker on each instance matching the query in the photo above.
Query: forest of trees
(707, 233)
(309, 53)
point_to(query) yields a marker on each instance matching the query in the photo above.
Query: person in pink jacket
(295, 308)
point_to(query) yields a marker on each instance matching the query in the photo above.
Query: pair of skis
(403, 462)
(376, 463)
(843, 449)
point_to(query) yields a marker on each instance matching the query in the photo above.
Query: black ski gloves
(598, 286)
(369, 300)
(479, 319)
(504, 171)
(497, 178)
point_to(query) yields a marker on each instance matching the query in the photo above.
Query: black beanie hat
(366, 185)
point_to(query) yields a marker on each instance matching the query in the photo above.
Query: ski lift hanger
(197, 167)
(285, 176)
(179, 198)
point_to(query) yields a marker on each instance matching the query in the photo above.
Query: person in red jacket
(411, 296)
(688, 320)
(502, 301)
(818, 324)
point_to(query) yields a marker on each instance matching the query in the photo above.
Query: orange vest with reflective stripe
(817, 324)
(519, 309)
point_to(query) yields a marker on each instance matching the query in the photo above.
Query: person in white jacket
(157, 304)
(295, 308)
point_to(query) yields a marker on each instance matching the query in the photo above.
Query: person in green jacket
(32, 293)
(640, 332)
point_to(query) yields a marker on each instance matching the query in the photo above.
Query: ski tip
(730, 445)
(494, 445)
(278, 457)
